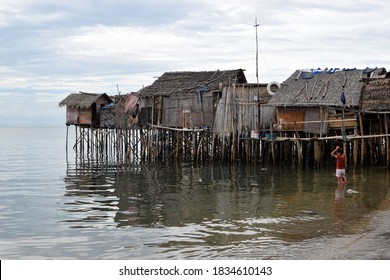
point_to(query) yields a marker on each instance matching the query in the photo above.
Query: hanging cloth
(342, 98)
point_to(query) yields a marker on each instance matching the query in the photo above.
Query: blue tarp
(108, 106)
(310, 73)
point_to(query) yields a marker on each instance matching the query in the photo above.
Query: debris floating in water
(351, 191)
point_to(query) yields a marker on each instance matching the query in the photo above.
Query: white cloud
(51, 48)
(52, 98)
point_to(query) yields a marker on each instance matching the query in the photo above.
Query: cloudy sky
(50, 48)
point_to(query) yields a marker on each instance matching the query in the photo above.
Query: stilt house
(84, 108)
(318, 101)
(243, 108)
(185, 99)
(375, 107)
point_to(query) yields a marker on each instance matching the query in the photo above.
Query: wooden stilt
(381, 141)
(387, 141)
(67, 138)
(178, 145)
(355, 149)
(158, 143)
(371, 141)
(317, 154)
(363, 142)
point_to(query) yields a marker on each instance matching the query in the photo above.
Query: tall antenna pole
(257, 79)
(257, 53)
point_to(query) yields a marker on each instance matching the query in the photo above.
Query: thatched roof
(180, 83)
(320, 88)
(376, 95)
(84, 100)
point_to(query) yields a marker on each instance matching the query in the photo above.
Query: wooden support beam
(387, 142)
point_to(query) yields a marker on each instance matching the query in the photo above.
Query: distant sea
(54, 205)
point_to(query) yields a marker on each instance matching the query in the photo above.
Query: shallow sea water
(55, 206)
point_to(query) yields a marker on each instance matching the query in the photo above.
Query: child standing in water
(340, 165)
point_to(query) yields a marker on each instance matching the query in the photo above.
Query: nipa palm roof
(376, 95)
(190, 82)
(83, 100)
(320, 88)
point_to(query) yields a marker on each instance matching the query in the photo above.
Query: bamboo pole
(371, 145)
(75, 146)
(88, 144)
(382, 140)
(344, 133)
(233, 128)
(143, 143)
(177, 145)
(67, 137)
(223, 148)
(317, 153)
(213, 146)
(106, 141)
(299, 149)
(355, 149)
(323, 121)
(200, 144)
(387, 142)
(193, 150)
(272, 145)
(247, 149)
(363, 143)
(81, 141)
(177, 129)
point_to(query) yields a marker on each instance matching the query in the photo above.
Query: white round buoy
(269, 90)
